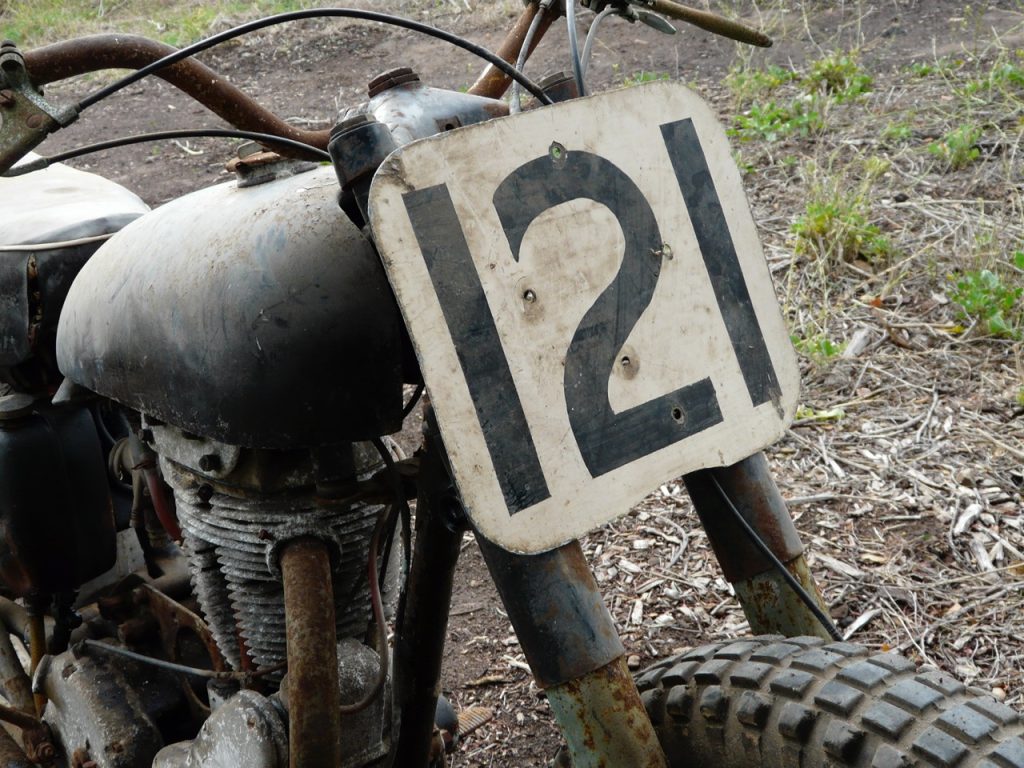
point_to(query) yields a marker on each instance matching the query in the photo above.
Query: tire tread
(788, 702)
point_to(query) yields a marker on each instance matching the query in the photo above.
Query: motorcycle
(204, 567)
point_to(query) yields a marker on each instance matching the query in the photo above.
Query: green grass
(840, 76)
(774, 102)
(958, 148)
(747, 84)
(643, 76)
(35, 22)
(818, 348)
(836, 224)
(771, 121)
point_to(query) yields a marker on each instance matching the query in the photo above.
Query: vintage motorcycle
(206, 532)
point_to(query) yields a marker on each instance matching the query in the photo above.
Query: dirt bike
(203, 567)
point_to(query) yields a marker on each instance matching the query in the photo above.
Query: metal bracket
(25, 116)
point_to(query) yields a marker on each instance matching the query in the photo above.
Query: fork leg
(575, 655)
(423, 618)
(770, 605)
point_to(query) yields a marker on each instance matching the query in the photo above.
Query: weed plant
(985, 298)
(769, 115)
(958, 148)
(836, 224)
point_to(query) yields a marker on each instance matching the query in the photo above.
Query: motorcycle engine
(264, 350)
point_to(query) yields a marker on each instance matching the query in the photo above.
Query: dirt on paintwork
(309, 71)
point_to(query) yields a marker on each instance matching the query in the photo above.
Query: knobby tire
(774, 702)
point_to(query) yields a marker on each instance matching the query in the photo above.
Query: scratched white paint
(569, 255)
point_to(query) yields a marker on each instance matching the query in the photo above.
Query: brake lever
(710, 22)
(652, 20)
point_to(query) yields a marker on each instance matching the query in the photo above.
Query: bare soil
(930, 429)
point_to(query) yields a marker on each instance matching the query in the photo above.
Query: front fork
(560, 619)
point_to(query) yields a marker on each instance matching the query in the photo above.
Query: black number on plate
(607, 440)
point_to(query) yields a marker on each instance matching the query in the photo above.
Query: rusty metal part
(314, 725)
(492, 82)
(472, 718)
(710, 22)
(11, 754)
(37, 649)
(750, 486)
(556, 609)
(140, 458)
(16, 717)
(390, 79)
(423, 619)
(14, 618)
(173, 620)
(89, 54)
(27, 117)
(770, 604)
(604, 721)
(14, 682)
(36, 735)
(772, 607)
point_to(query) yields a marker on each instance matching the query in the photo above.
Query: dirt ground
(880, 494)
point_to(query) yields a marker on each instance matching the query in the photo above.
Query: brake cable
(789, 578)
(281, 18)
(187, 133)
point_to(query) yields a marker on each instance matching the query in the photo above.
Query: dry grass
(905, 467)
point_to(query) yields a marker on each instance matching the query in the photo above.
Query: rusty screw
(6, 98)
(35, 122)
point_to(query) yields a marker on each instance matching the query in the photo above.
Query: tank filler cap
(391, 79)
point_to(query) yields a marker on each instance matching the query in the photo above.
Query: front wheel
(799, 702)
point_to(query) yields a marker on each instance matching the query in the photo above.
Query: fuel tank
(258, 315)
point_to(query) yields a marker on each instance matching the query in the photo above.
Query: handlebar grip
(711, 22)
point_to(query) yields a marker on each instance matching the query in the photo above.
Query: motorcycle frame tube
(423, 620)
(17, 688)
(770, 605)
(36, 649)
(314, 695)
(62, 60)
(492, 82)
(575, 654)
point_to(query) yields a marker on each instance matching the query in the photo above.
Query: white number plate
(589, 303)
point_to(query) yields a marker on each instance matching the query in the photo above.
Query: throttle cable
(282, 18)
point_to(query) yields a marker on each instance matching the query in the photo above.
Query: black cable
(185, 133)
(790, 579)
(416, 395)
(314, 13)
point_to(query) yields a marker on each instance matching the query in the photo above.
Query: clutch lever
(710, 22)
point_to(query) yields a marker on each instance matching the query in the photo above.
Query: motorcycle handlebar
(89, 54)
(711, 22)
